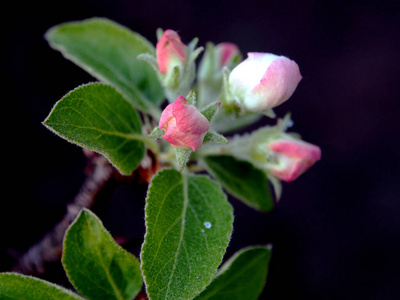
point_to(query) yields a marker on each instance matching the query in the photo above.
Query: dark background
(336, 231)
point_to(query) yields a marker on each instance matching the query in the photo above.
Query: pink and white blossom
(185, 127)
(292, 158)
(263, 81)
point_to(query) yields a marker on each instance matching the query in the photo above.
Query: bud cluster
(250, 87)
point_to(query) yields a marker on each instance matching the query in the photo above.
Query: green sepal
(157, 133)
(159, 33)
(172, 79)
(182, 157)
(213, 137)
(191, 98)
(150, 59)
(196, 52)
(210, 110)
(269, 113)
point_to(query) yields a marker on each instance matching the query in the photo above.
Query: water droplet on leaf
(207, 225)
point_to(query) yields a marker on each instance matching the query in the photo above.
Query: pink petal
(295, 156)
(279, 81)
(193, 141)
(181, 139)
(297, 149)
(167, 47)
(174, 136)
(176, 44)
(293, 170)
(184, 125)
(188, 118)
(227, 51)
(166, 116)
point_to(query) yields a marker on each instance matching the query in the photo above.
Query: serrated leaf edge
(58, 287)
(151, 108)
(137, 137)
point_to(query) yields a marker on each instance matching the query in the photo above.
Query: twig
(49, 248)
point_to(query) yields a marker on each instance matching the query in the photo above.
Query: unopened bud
(184, 126)
(263, 81)
(170, 51)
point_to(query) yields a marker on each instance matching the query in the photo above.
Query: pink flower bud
(170, 51)
(226, 52)
(215, 58)
(264, 80)
(293, 158)
(185, 127)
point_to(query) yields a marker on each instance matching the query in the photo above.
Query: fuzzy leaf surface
(243, 276)
(188, 227)
(15, 286)
(95, 264)
(108, 51)
(242, 180)
(97, 117)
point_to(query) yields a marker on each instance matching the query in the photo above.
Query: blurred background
(336, 231)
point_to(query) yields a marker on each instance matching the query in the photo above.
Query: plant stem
(49, 248)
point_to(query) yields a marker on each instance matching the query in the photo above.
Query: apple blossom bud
(227, 54)
(263, 81)
(209, 75)
(217, 57)
(291, 157)
(170, 51)
(184, 126)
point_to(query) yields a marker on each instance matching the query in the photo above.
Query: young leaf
(95, 264)
(242, 180)
(97, 117)
(108, 52)
(16, 286)
(243, 276)
(189, 223)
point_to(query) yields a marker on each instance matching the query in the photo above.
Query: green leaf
(242, 180)
(95, 264)
(97, 117)
(108, 52)
(243, 276)
(15, 286)
(189, 224)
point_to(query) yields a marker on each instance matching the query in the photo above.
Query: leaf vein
(156, 221)
(184, 210)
